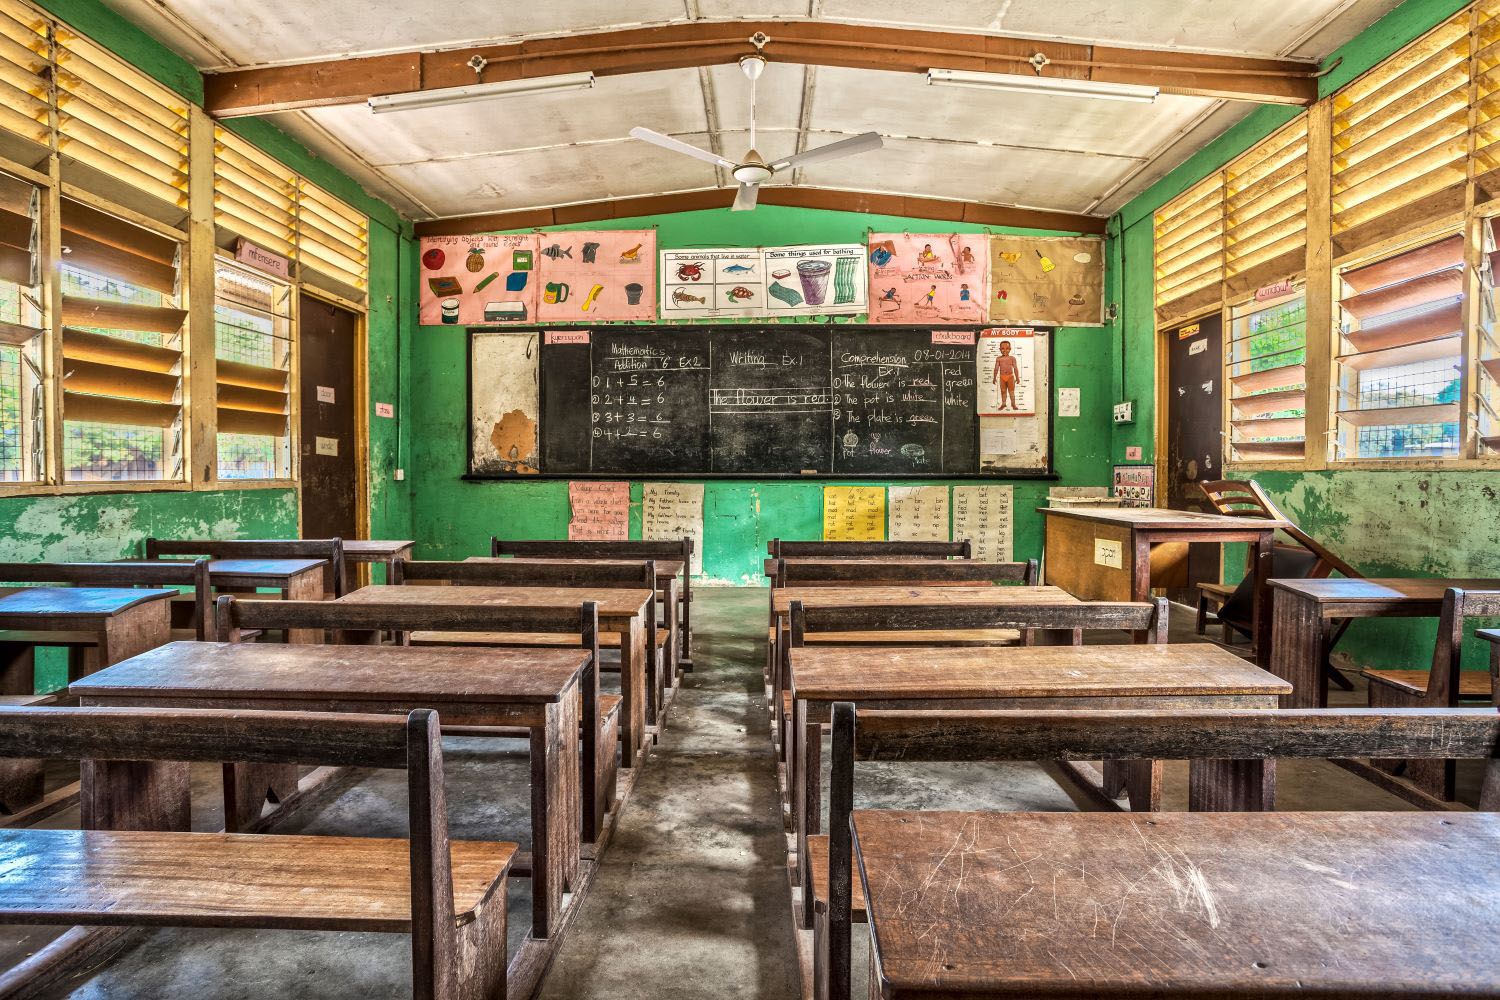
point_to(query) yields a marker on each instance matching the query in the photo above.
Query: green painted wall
(1396, 523)
(456, 518)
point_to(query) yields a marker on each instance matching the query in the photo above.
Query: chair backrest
(505, 573)
(635, 548)
(331, 549)
(915, 616)
(1196, 735)
(168, 573)
(1443, 685)
(837, 572)
(1245, 498)
(779, 548)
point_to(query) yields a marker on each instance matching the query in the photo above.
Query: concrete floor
(692, 899)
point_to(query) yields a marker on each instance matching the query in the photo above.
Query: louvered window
(332, 240)
(1265, 217)
(253, 355)
(1487, 322)
(1486, 73)
(1189, 239)
(254, 195)
(25, 103)
(1266, 359)
(1400, 355)
(122, 350)
(22, 420)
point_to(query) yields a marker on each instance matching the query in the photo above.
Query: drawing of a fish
(556, 251)
(738, 269)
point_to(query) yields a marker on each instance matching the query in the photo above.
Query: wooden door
(1195, 440)
(329, 339)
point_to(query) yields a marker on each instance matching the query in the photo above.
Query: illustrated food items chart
(762, 281)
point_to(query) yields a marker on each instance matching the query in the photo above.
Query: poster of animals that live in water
(717, 282)
(478, 280)
(928, 278)
(602, 276)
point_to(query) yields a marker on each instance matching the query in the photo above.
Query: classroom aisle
(692, 898)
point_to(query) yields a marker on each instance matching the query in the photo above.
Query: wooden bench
(1444, 685)
(778, 548)
(1048, 948)
(450, 896)
(599, 718)
(632, 549)
(331, 549)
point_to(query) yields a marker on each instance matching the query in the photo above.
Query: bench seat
(924, 637)
(228, 880)
(50, 637)
(1219, 590)
(1472, 684)
(817, 859)
(607, 640)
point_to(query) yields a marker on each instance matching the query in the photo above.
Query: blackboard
(756, 400)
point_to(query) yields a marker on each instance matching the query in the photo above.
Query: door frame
(361, 406)
(1163, 395)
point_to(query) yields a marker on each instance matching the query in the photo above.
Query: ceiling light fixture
(1061, 86)
(479, 92)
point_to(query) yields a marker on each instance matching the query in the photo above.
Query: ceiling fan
(752, 170)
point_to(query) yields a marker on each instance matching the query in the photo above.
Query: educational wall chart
(602, 276)
(928, 278)
(918, 513)
(1135, 485)
(814, 280)
(504, 403)
(671, 512)
(854, 513)
(697, 284)
(984, 517)
(1047, 282)
(478, 280)
(1007, 372)
(601, 511)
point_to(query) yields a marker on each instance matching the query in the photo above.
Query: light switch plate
(1125, 412)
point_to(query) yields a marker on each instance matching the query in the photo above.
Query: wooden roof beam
(903, 206)
(268, 89)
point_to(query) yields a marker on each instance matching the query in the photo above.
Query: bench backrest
(504, 573)
(842, 573)
(331, 549)
(635, 548)
(168, 573)
(1197, 735)
(915, 616)
(1458, 604)
(779, 548)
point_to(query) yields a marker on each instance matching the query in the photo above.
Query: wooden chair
(1306, 559)
(450, 896)
(331, 549)
(1228, 752)
(619, 549)
(363, 624)
(1444, 685)
(778, 548)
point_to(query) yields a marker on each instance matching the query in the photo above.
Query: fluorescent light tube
(1043, 85)
(479, 92)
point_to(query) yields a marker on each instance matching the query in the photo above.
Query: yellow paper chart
(854, 513)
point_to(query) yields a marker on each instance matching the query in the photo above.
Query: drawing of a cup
(814, 277)
(450, 311)
(633, 293)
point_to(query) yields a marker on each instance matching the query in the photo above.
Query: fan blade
(844, 147)
(744, 200)
(667, 142)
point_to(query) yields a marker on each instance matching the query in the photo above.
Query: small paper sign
(325, 394)
(385, 410)
(567, 337)
(1198, 346)
(1069, 402)
(1273, 291)
(1109, 552)
(258, 257)
(953, 337)
(327, 446)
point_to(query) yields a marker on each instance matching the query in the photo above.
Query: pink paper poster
(485, 279)
(601, 511)
(597, 276)
(928, 278)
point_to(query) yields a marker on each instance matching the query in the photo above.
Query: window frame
(293, 383)
(1298, 282)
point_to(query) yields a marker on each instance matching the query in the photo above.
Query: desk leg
(1298, 638)
(134, 631)
(1139, 779)
(1140, 575)
(305, 587)
(134, 795)
(1261, 607)
(1231, 785)
(809, 800)
(556, 813)
(633, 690)
(673, 645)
(17, 668)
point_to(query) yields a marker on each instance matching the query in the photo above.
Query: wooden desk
(966, 905)
(1303, 612)
(103, 625)
(1196, 675)
(295, 579)
(536, 689)
(367, 551)
(620, 610)
(1105, 554)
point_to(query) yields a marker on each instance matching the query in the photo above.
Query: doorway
(329, 338)
(1194, 451)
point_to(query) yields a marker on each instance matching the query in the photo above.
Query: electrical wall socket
(400, 475)
(1125, 412)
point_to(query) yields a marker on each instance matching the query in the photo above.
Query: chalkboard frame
(991, 475)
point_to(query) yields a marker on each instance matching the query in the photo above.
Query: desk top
(666, 569)
(827, 673)
(266, 569)
(612, 601)
(375, 548)
(1227, 904)
(1379, 590)
(76, 600)
(834, 597)
(270, 671)
(1157, 517)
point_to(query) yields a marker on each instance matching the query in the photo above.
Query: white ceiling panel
(778, 99)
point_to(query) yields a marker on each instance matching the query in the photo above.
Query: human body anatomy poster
(603, 276)
(928, 278)
(478, 280)
(698, 284)
(814, 279)
(1046, 282)
(1007, 372)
